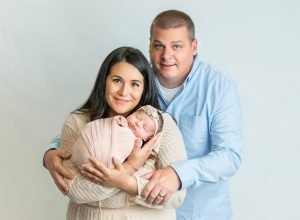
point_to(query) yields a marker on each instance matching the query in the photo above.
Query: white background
(50, 52)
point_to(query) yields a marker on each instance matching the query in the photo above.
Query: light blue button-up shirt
(208, 113)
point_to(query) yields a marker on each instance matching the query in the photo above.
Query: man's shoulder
(212, 76)
(213, 72)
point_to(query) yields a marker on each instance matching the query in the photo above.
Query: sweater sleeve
(81, 190)
(170, 147)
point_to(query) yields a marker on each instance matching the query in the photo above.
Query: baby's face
(141, 125)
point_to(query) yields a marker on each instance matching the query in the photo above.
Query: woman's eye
(135, 85)
(116, 80)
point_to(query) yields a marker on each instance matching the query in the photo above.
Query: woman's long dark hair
(96, 105)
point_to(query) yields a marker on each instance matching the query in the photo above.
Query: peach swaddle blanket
(102, 139)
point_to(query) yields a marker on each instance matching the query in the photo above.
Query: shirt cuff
(182, 169)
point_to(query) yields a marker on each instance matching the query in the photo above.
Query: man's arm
(53, 161)
(54, 144)
(220, 163)
(224, 158)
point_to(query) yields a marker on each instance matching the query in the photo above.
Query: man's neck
(170, 83)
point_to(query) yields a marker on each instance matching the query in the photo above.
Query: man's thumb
(65, 154)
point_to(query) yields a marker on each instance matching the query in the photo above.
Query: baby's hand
(122, 121)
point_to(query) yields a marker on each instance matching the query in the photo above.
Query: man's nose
(167, 53)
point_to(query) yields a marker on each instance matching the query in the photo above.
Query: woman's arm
(116, 177)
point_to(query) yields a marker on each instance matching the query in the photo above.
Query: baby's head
(145, 122)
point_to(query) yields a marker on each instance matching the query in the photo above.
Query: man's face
(171, 53)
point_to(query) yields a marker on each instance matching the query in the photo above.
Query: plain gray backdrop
(50, 53)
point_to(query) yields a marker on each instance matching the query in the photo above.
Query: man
(205, 104)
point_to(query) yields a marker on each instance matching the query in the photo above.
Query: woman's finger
(117, 163)
(93, 171)
(148, 176)
(148, 147)
(100, 167)
(137, 144)
(92, 177)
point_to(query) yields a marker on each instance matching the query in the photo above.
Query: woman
(124, 83)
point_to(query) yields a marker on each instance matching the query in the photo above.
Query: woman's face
(124, 88)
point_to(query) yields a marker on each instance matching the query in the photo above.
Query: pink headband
(153, 114)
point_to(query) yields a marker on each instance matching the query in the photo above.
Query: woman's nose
(123, 90)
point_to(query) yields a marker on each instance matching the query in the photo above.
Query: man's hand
(54, 162)
(162, 185)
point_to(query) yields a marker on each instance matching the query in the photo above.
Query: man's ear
(149, 48)
(195, 46)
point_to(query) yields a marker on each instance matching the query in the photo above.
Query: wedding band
(161, 195)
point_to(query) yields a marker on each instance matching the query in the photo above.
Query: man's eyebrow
(176, 42)
(173, 42)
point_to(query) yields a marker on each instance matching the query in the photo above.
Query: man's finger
(166, 199)
(64, 154)
(60, 183)
(153, 194)
(147, 189)
(65, 173)
(158, 200)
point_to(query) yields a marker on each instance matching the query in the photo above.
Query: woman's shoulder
(169, 130)
(77, 119)
(168, 121)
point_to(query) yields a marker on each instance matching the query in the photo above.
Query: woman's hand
(116, 177)
(138, 155)
(99, 173)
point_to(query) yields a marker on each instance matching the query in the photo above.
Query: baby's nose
(139, 123)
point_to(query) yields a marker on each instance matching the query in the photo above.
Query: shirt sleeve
(170, 148)
(81, 190)
(224, 158)
(54, 144)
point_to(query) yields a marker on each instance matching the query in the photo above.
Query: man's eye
(158, 46)
(177, 46)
